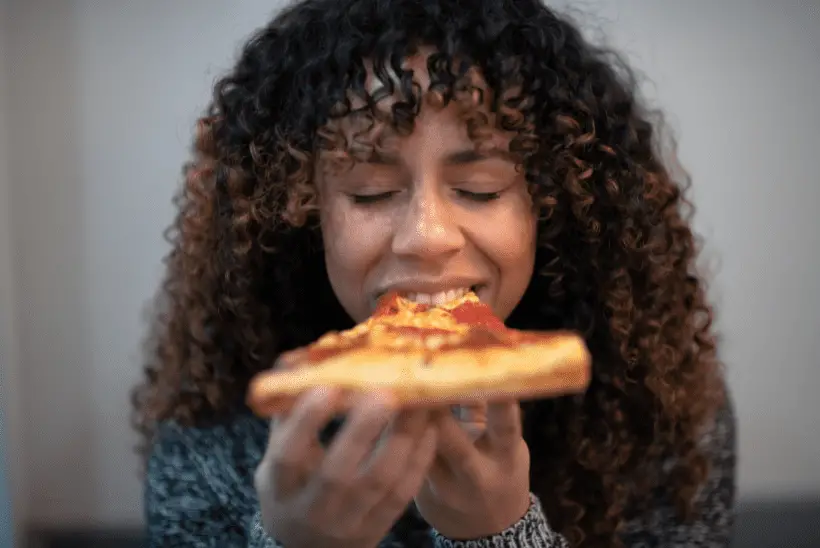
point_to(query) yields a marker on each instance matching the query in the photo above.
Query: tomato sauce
(477, 314)
(387, 306)
(418, 331)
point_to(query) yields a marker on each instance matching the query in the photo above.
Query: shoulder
(218, 458)
(199, 481)
(720, 436)
(713, 502)
(719, 445)
(235, 436)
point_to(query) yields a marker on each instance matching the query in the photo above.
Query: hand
(472, 418)
(351, 494)
(478, 488)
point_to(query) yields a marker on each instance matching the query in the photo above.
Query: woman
(360, 146)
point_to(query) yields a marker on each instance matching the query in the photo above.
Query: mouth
(435, 297)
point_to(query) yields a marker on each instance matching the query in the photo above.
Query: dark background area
(787, 524)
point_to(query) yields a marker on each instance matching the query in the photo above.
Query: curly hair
(616, 255)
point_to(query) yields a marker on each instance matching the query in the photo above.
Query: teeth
(439, 298)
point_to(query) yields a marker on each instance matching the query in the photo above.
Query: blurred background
(97, 103)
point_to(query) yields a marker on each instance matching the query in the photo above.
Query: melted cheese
(377, 331)
(412, 314)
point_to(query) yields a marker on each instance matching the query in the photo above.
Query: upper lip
(429, 287)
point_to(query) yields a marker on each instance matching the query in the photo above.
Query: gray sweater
(199, 492)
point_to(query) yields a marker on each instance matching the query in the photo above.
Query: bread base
(559, 365)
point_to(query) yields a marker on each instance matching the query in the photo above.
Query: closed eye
(365, 199)
(478, 196)
(371, 198)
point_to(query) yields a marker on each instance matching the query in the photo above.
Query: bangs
(383, 96)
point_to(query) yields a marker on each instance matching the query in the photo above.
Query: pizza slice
(429, 355)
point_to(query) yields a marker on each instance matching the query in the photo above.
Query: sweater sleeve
(714, 503)
(531, 531)
(258, 537)
(188, 501)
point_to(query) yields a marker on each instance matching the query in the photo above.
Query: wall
(103, 96)
(12, 455)
(739, 79)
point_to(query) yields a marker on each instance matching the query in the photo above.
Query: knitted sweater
(199, 492)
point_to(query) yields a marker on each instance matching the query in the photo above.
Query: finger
(310, 413)
(390, 460)
(399, 438)
(472, 418)
(456, 448)
(355, 441)
(503, 424)
(472, 412)
(408, 484)
(293, 448)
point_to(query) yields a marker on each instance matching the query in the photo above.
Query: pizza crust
(546, 365)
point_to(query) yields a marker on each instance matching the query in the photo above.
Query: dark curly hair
(615, 260)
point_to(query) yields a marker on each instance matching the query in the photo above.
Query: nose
(428, 229)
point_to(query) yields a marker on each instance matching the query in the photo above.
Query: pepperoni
(484, 336)
(476, 314)
(487, 329)
(318, 354)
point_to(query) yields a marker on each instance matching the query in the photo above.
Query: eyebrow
(457, 158)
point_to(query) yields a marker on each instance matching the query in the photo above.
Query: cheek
(345, 244)
(516, 246)
(510, 242)
(353, 246)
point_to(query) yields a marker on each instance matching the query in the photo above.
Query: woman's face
(427, 217)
